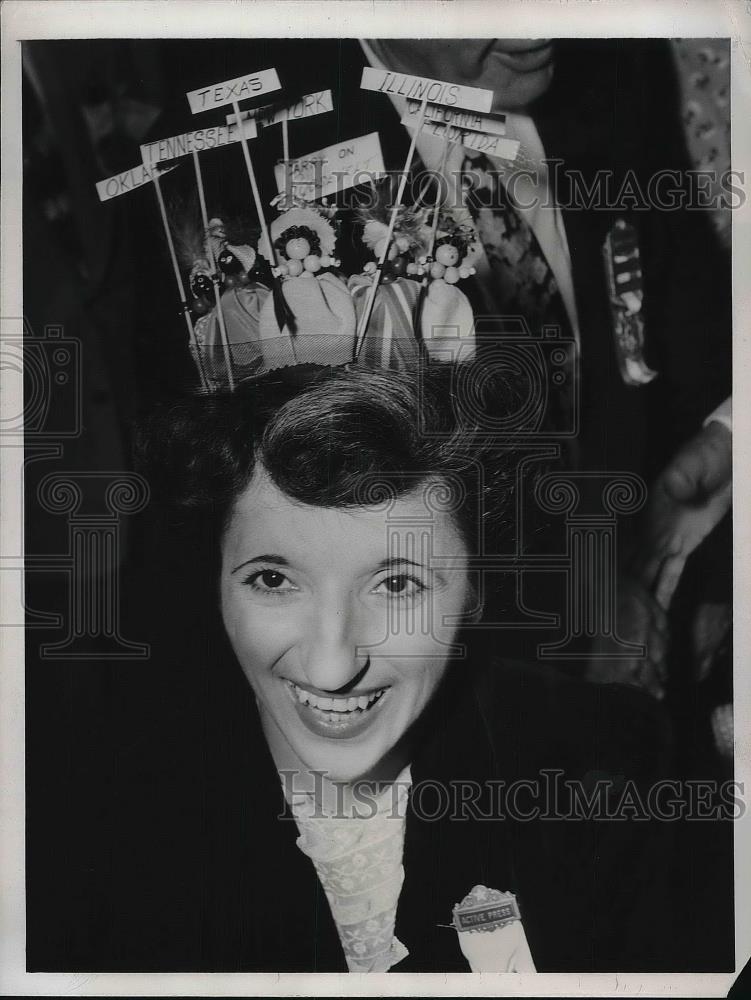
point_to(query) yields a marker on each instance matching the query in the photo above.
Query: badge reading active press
(485, 910)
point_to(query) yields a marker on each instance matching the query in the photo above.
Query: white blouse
(358, 859)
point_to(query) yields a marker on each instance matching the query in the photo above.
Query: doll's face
(447, 255)
(517, 70)
(340, 623)
(297, 249)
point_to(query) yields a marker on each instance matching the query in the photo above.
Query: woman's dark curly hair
(348, 437)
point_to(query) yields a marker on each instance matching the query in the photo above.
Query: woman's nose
(330, 650)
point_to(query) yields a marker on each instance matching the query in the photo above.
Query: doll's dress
(324, 318)
(241, 308)
(390, 339)
(447, 322)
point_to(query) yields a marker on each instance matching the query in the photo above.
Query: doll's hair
(298, 232)
(345, 438)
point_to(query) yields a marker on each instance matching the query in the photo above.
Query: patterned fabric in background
(524, 284)
(703, 69)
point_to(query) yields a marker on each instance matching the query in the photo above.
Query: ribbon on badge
(623, 269)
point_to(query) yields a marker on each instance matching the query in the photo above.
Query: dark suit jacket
(173, 849)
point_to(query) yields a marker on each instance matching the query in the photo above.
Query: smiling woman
(348, 509)
(335, 503)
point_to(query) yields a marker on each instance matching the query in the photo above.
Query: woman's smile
(336, 717)
(341, 622)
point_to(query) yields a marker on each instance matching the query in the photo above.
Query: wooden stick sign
(129, 180)
(318, 103)
(214, 137)
(191, 144)
(481, 141)
(232, 92)
(440, 115)
(242, 88)
(332, 169)
(423, 89)
(426, 91)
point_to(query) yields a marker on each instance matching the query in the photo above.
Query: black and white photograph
(369, 536)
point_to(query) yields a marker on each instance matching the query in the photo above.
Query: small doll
(390, 340)
(399, 262)
(241, 296)
(315, 324)
(443, 315)
(307, 241)
(452, 256)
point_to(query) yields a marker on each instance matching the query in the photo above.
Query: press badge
(626, 291)
(491, 935)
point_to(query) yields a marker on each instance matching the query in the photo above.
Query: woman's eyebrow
(270, 558)
(391, 562)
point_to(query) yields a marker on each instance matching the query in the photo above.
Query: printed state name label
(332, 169)
(491, 145)
(455, 116)
(416, 88)
(127, 181)
(239, 89)
(196, 142)
(309, 105)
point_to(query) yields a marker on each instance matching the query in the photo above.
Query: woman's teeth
(338, 707)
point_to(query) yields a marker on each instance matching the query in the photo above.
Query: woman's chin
(336, 763)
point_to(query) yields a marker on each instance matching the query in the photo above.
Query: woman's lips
(336, 717)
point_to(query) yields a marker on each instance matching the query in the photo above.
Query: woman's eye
(400, 586)
(270, 581)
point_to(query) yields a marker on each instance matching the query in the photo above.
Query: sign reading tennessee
(239, 89)
(196, 142)
(417, 88)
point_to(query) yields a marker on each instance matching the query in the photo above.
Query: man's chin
(512, 90)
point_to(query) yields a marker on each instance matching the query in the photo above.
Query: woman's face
(340, 623)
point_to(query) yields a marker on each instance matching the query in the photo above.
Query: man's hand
(689, 499)
(640, 619)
